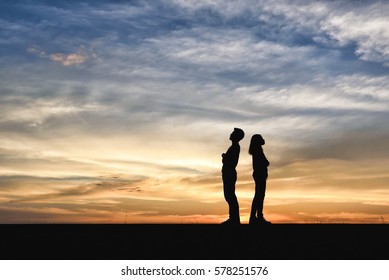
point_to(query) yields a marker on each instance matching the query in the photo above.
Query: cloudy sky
(119, 111)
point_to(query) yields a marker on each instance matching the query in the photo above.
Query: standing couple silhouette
(260, 163)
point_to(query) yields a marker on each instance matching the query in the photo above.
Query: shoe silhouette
(231, 222)
(259, 221)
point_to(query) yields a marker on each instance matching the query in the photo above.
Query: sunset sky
(119, 111)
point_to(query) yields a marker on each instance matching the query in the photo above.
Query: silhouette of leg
(254, 205)
(234, 207)
(256, 215)
(261, 188)
(229, 181)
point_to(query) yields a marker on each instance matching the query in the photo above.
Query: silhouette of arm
(260, 162)
(231, 157)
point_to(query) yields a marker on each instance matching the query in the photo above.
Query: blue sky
(113, 109)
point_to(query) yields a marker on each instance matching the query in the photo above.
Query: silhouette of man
(230, 161)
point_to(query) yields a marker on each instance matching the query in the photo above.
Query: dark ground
(194, 241)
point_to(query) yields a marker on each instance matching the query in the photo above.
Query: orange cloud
(68, 59)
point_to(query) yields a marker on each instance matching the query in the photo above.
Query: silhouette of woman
(260, 164)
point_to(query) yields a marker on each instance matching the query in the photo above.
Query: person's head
(256, 142)
(237, 135)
